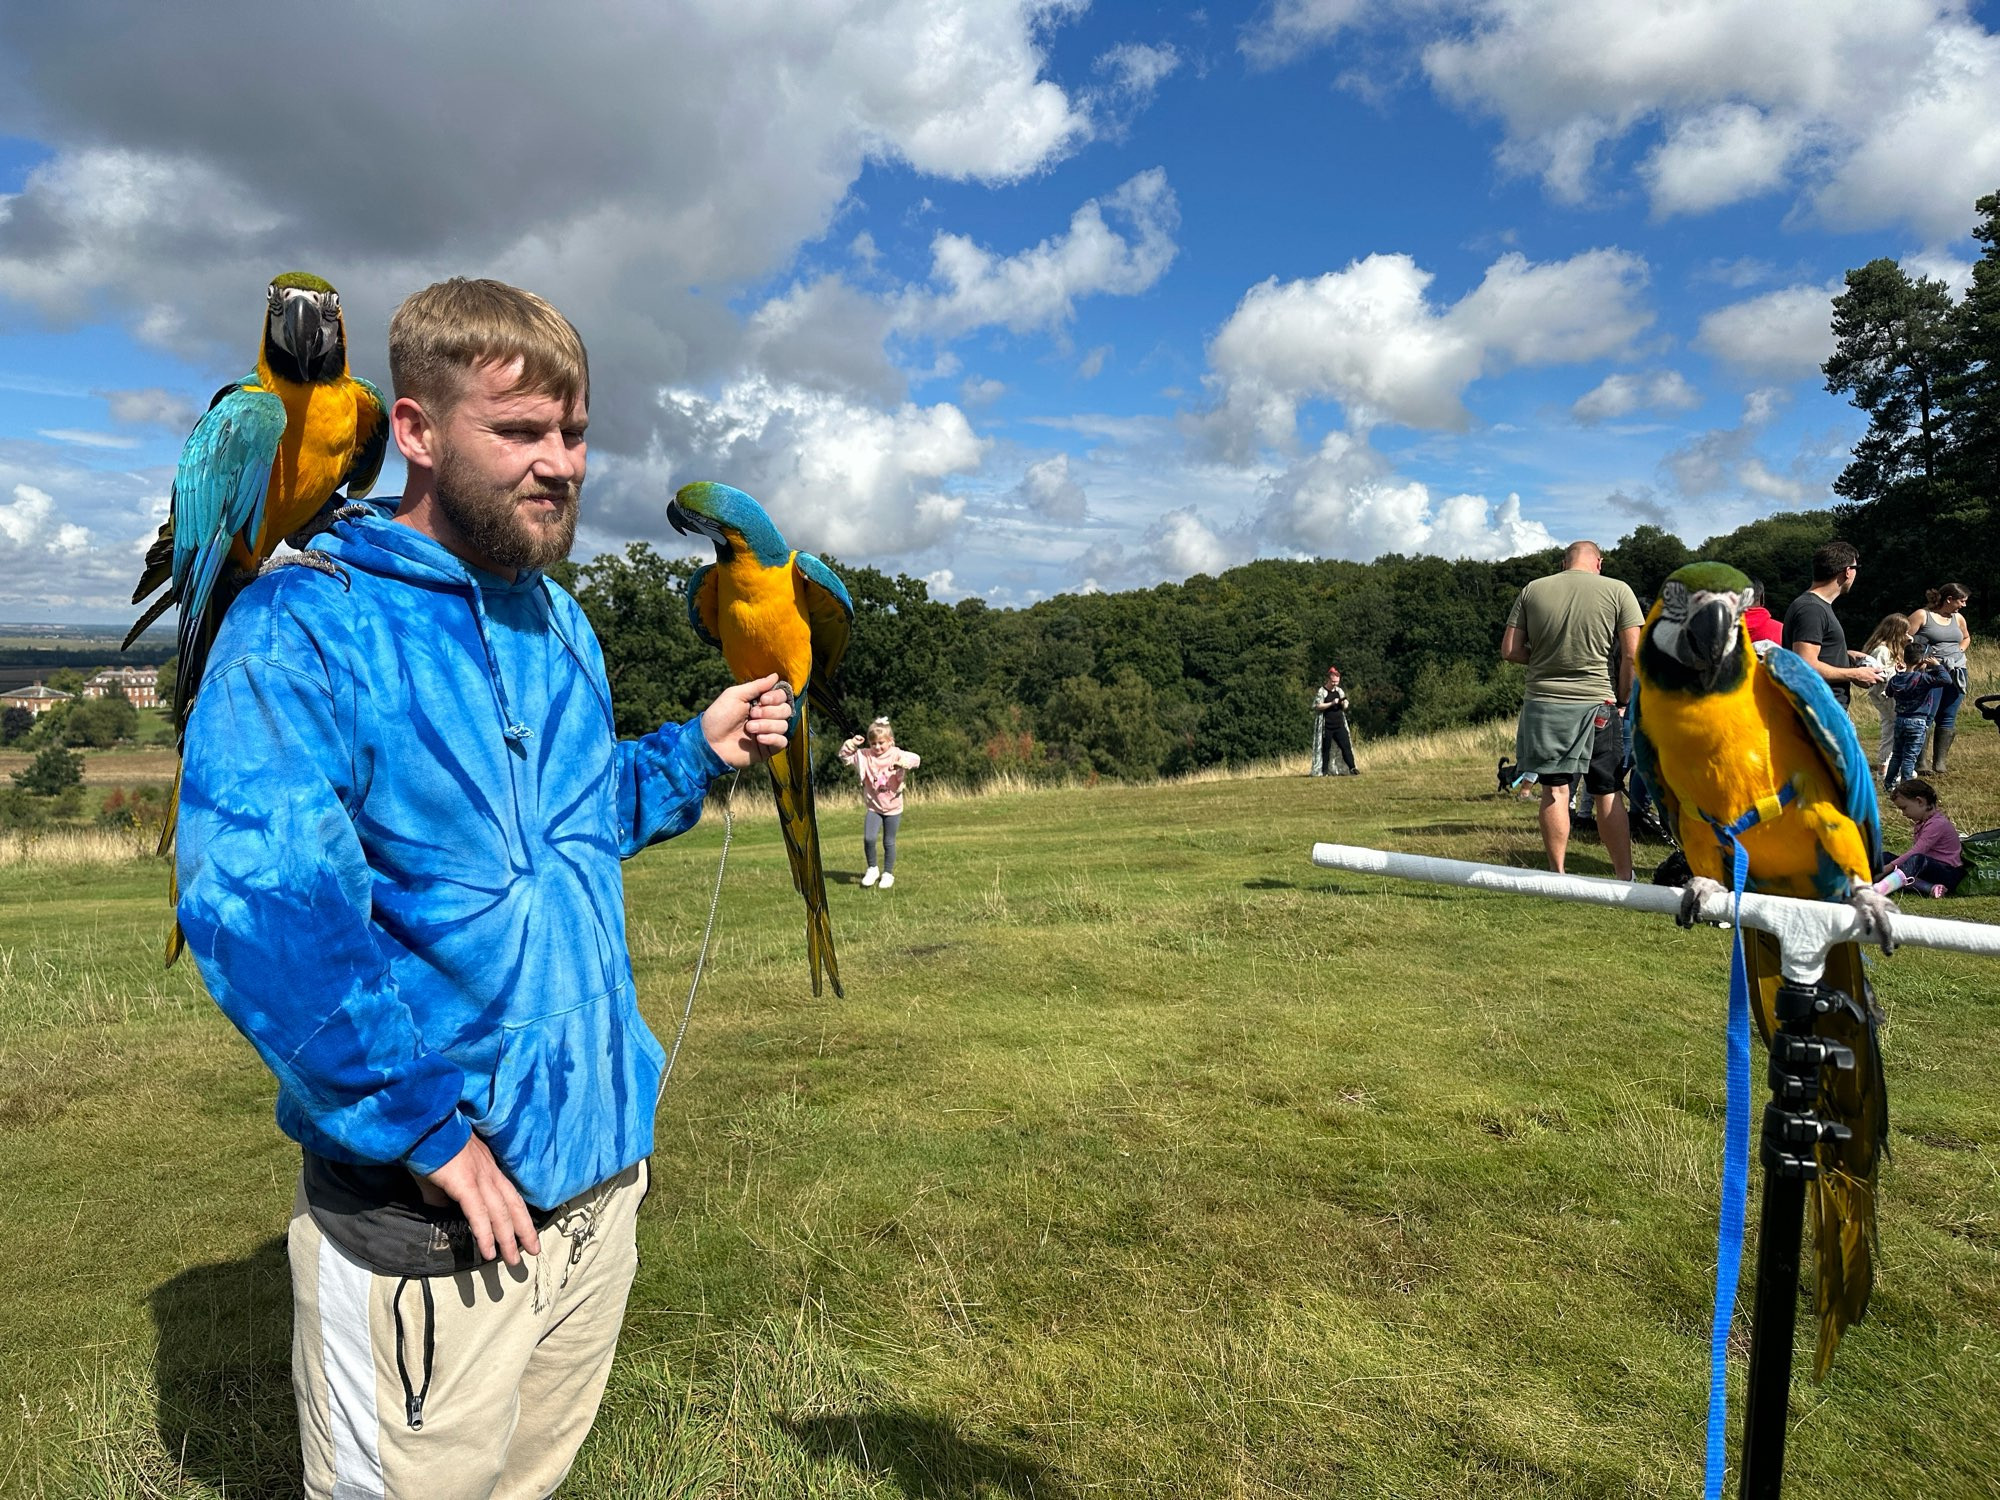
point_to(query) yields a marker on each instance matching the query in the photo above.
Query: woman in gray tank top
(1941, 624)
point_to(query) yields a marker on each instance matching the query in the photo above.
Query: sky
(1019, 297)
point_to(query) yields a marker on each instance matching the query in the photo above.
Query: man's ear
(416, 433)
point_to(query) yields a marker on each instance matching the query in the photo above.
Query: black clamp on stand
(1789, 1151)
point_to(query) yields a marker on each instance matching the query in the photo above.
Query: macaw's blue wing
(704, 604)
(371, 440)
(1830, 728)
(219, 492)
(830, 617)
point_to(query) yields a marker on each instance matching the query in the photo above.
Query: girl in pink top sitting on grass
(881, 766)
(1936, 861)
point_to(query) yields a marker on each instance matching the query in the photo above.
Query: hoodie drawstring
(514, 729)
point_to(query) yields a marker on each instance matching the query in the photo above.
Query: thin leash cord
(714, 902)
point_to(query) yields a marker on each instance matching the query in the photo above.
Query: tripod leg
(1791, 1134)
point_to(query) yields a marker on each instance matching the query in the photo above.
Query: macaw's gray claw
(1876, 910)
(1698, 889)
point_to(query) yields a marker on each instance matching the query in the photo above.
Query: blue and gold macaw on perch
(269, 455)
(771, 609)
(1724, 738)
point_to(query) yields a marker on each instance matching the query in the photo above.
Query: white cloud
(1092, 364)
(1369, 338)
(1877, 110)
(1136, 69)
(1731, 152)
(1722, 462)
(981, 390)
(1344, 501)
(836, 475)
(1049, 490)
(637, 210)
(1763, 404)
(85, 439)
(28, 525)
(1038, 288)
(152, 407)
(1292, 27)
(1622, 394)
(1787, 333)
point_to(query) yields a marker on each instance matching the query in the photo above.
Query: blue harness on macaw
(1736, 1133)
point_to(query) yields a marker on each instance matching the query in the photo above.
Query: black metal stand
(1792, 1133)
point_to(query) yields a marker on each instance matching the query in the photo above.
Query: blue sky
(1017, 296)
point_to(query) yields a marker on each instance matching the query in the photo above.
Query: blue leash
(1735, 1143)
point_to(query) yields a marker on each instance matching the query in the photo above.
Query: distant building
(140, 684)
(37, 700)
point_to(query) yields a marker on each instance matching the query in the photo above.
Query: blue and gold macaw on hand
(269, 455)
(1728, 740)
(771, 609)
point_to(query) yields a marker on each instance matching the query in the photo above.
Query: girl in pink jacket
(881, 766)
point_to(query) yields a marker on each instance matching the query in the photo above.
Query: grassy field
(1143, 1158)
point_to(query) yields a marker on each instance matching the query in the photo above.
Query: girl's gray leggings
(876, 824)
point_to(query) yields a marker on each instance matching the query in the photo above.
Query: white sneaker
(887, 881)
(871, 876)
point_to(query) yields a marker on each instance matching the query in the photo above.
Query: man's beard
(493, 525)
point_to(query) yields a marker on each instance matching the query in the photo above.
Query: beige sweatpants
(516, 1364)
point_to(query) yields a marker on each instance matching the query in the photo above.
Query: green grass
(1143, 1158)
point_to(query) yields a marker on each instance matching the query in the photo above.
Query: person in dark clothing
(1330, 728)
(1814, 631)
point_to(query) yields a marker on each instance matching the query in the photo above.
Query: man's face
(509, 470)
(1847, 576)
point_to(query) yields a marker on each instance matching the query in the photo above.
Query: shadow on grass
(924, 1456)
(224, 1373)
(1447, 829)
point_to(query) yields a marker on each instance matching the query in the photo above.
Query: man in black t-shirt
(1814, 631)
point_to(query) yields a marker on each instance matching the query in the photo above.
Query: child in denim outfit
(1916, 691)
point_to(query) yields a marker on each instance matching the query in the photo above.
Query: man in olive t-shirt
(1573, 631)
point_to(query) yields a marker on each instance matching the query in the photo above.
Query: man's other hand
(749, 722)
(492, 1205)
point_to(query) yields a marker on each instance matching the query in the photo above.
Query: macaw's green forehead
(303, 281)
(1710, 578)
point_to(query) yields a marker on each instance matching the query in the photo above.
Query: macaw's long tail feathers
(827, 700)
(1845, 1243)
(791, 781)
(159, 607)
(1842, 1198)
(175, 941)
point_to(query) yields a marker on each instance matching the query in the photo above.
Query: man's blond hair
(450, 328)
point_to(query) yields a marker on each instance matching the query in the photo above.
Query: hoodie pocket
(573, 1097)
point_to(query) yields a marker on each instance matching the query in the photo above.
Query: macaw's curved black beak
(680, 520)
(1710, 630)
(301, 322)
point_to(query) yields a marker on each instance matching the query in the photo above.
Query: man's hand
(749, 722)
(1864, 672)
(492, 1205)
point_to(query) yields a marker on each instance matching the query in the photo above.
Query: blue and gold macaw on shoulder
(771, 609)
(269, 455)
(1726, 739)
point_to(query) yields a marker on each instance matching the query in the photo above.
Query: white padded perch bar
(1804, 929)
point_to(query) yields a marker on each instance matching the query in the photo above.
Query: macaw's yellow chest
(1722, 753)
(321, 428)
(762, 620)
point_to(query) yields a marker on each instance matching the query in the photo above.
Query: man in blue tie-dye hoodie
(401, 824)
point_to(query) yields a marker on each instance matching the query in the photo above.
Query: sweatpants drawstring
(413, 1401)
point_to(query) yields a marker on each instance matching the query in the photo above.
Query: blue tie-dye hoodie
(401, 823)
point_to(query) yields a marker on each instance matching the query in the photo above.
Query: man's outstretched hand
(749, 722)
(492, 1205)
